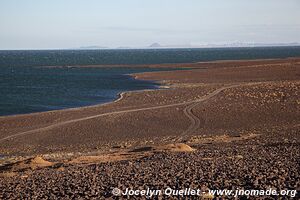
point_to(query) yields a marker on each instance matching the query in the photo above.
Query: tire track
(188, 111)
(195, 122)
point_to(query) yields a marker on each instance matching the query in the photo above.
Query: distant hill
(204, 45)
(155, 45)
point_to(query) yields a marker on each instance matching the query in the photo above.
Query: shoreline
(119, 97)
(231, 117)
(91, 130)
(161, 84)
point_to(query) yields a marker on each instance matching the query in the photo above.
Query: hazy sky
(39, 24)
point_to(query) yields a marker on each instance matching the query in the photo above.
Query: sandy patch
(23, 165)
(178, 147)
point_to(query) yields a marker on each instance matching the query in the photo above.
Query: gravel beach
(230, 125)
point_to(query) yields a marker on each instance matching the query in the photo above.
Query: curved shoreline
(162, 85)
(90, 130)
(118, 97)
(201, 125)
(188, 114)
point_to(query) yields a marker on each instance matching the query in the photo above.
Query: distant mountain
(204, 45)
(216, 45)
(155, 45)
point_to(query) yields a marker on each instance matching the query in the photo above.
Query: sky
(60, 24)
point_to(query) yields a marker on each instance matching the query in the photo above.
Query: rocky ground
(257, 163)
(245, 137)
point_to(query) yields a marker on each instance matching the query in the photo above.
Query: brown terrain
(219, 125)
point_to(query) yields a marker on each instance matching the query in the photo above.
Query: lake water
(26, 86)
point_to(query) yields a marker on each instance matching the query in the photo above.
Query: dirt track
(195, 121)
(241, 119)
(154, 116)
(187, 111)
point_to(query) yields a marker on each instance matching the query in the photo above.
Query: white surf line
(115, 112)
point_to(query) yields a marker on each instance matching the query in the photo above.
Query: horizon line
(295, 44)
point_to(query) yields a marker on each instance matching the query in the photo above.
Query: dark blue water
(35, 89)
(26, 86)
(139, 56)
